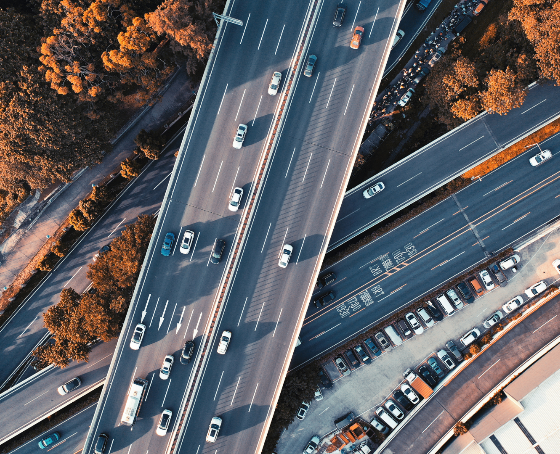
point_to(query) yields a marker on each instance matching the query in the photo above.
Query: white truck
(133, 401)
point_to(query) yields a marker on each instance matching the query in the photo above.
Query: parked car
(414, 323)
(434, 311)
(69, 386)
(479, 7)
(454, 350)
(486, 280)
(285, 257)
(49, 440)
(465, 292)
(167, 244)
(217, 251)
(403, 400)
(187, 352)
(352, 359)
(325, 379)
(406, 97)
(373, 190)
(493, 319)
(323, 300)
(302, 411)
(510, 262)
(311, 61)
(395, 411)
(404, 329)
(446, 359)
(423, 73)
(385, 344)
(498, 273)
(325, 280)
(426, 318)
(428, 376)
(556, 265)
(475, 284)
(361, 352)
(452, 294)
(318, 394)
(541, 157)
(312, 445)
(339, 14)
(186, 244)
(104, 249)
(357, 37)
(341, 366)
(214, 429)
(513, 304)
(239, 136)
(373, 348)
(535, 289)
(432, 362)
(470, 337)
(409, 393)
(380, 427)
(437, 56)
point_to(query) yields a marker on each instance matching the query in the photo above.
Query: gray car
(432, 362)
(454, 350)
(310, 65)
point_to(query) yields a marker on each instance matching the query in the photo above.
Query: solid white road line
(324, 411)
(176, 242)
(233, 185)
(301, 248)
(198, 174)
(36, 317)
(517, 220)
(72, 277)
(277, 321)
(469, 144)
(36, 397)
(324, 332)
(260, 41)
(480, 376)
(409, 179)
(428, 228)
(223, 96)
(171, 318)
(314, 85)
(280, 39)
(323, 180)
(253, 397)
(432, 422)
(340, 219)
(221, 376)
(538, 104)
(194, 247)
(155, 187)
(264, 242)
(234, 392)
(187, 328)
(154, 313)
(349, 97)
(260, 313)
(544, 324)
(373, 25)
(116, 228)
(217, 175)
(245, 28)
(332, 88)
(239, 108)
(240, 315)
(253, 123)
(305, 173)
(355, 17)
(162, 318)
(290, 163)
(149, 387)
(99, 360)
(166, 391)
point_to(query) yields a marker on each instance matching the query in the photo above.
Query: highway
(442, 160)
(430, 249)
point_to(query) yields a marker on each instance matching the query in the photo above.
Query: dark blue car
(167, 244)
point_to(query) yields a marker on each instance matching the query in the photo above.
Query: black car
(361, 352)
(339, 14)
(352, 359)
(403, 400)
(435, 312)
(323, 300)
(373, 348)
(217, 251)
(432, 362)
(101, 444)
(325, 379)
(385, 344)
(427, 375)
(465, 292)
(187, 352)
(404, 328)
(326, 279)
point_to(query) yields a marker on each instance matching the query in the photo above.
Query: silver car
(445, 359)
(392, 407)
(186, 244)
(239, 136)
(493, 319)
(513, 304)
(373, 190)
(235, 199)
(285, 257)
(310, 65)
(274, 83)
(538, 159)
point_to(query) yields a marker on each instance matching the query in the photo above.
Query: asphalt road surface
(443, 160)
(432, 248)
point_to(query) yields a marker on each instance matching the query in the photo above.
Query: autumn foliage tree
(504, 92)
(150, 144)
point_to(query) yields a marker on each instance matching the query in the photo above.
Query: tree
(150, 144)
(78, 220)
(504, 92)
(460, 429)
(60, 248)
(474, 349)
(130, 169)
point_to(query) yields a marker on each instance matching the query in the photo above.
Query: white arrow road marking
(162, 318)
(197, 323)
(180, 321)
(171, 318)
(187, 328)
(145, 311)
(154, 313)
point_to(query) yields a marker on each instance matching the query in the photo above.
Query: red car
(357, 38)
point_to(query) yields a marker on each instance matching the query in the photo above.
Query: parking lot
(368, 386)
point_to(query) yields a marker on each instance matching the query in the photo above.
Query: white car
(535, 289)
(426, 318)
(446, 359)
(391, 406)
(410, 394)
(513, 304)
(510, 262)
(274, 83)
(406, 97)
(286, 254)
(239, 136)
(214, 429)
(470, 337)
(166, 367)
(493, 319)
(318, 394)
(164, 423)
(235, 199)
(414, 323)
(556, 265)
(538, 159)
(486, 280)
(302, 411)
(137, 336)
(186, 244)
(224, 342)
(373, 190)
(312, 445)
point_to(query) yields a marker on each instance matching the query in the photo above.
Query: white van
(446, 305)
(393, 335)
(386, 418)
